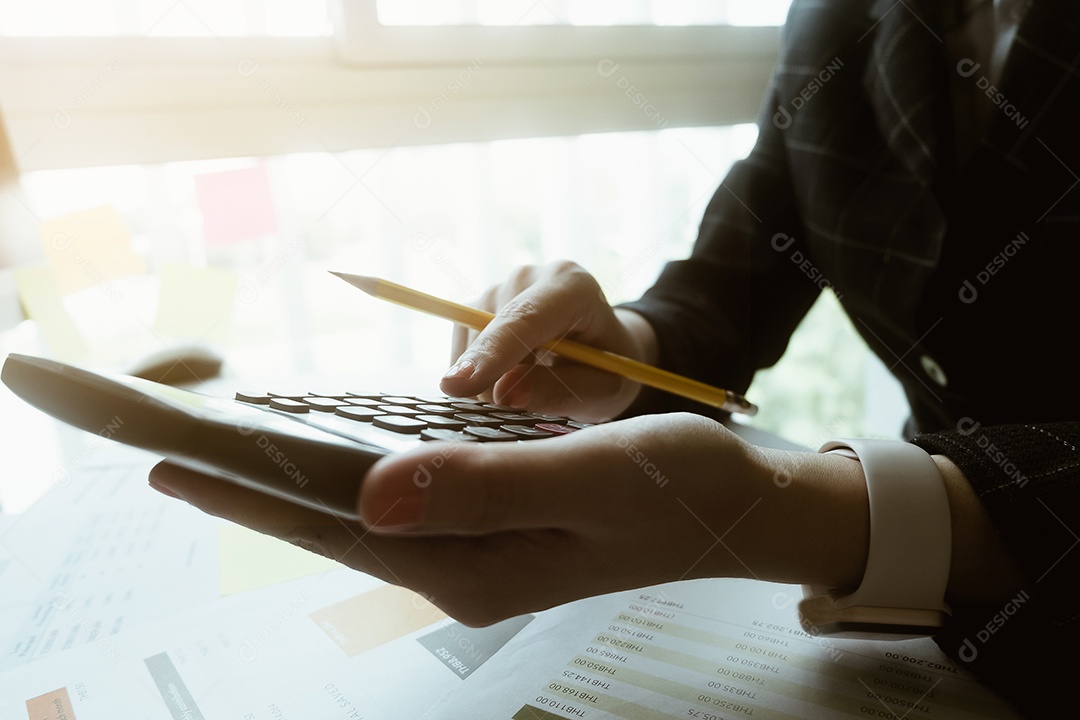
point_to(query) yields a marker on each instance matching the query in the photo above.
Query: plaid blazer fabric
(956, 268)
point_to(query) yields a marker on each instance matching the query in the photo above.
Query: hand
(488, 531)
(502, 364)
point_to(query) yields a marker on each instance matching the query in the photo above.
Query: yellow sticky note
(89, 248)
(44, 304)
(399, 611)
(195, 304)
(249, 560)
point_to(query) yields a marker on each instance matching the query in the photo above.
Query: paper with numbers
(709, 649)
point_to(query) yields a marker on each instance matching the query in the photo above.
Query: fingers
(459, 342)
(535, 307)
(227, 500)
(391, 559)
(472, 489)
(490, 302)
(561, 389)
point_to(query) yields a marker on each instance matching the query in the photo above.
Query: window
(197, 79)
(583, 12)
(164, 18)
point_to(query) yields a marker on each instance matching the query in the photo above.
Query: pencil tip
(365, 283)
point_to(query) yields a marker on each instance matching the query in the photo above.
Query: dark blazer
(956, 261)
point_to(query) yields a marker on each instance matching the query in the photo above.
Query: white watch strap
(907, 564)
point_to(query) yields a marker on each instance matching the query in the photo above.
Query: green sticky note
(248, 560)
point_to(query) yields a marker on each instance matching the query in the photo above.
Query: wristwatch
(902, 592)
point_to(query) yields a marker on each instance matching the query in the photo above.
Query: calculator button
(513, 418)
(288, 405)
(443, 435)
(323, 404)
(443, 399)
(541, 417)
(400, 400)
(468, 407)
(488, 434)
(579, 425)
(361, 414)
(555, 428)
(440, 421)
(437, 409)
(479, 420)
(363, 402)
(253, 397)
(527, 432)
(501, 408)
(400, 410)
(291, 394)
(400, 424)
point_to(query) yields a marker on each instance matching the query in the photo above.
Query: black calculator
(310, 446)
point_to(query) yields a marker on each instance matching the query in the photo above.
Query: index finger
(551, 308)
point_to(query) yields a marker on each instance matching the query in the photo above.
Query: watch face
(820, 616)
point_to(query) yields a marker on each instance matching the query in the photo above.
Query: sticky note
(195, 303)
(89, 248)
(55, 705)
(399, 612)
(248, 560)
(236, 205)
(44, 304)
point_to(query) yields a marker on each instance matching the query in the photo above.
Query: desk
(114, 608)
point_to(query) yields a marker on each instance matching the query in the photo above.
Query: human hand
(489, 531)
(536, 305)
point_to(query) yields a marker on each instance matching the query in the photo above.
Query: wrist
(982, 568)
(640, 336)
(812, 524)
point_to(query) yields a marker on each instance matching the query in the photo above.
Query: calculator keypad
(427, 417)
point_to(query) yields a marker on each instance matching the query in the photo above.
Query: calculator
(311, 446)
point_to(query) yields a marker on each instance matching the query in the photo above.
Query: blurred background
(187, 172)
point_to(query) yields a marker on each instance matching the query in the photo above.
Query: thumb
(471, 488)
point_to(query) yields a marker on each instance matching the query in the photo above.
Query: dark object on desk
(178, 365)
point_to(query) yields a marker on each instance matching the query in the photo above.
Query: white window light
(73, 102)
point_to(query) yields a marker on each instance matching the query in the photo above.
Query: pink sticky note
(236, 205)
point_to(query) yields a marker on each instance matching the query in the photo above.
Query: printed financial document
(710, 650)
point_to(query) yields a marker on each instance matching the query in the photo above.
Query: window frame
(78, 102)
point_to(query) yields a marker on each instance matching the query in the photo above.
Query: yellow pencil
(602, 359)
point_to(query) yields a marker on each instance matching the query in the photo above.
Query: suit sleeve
(1028, 479)
(731, 307)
